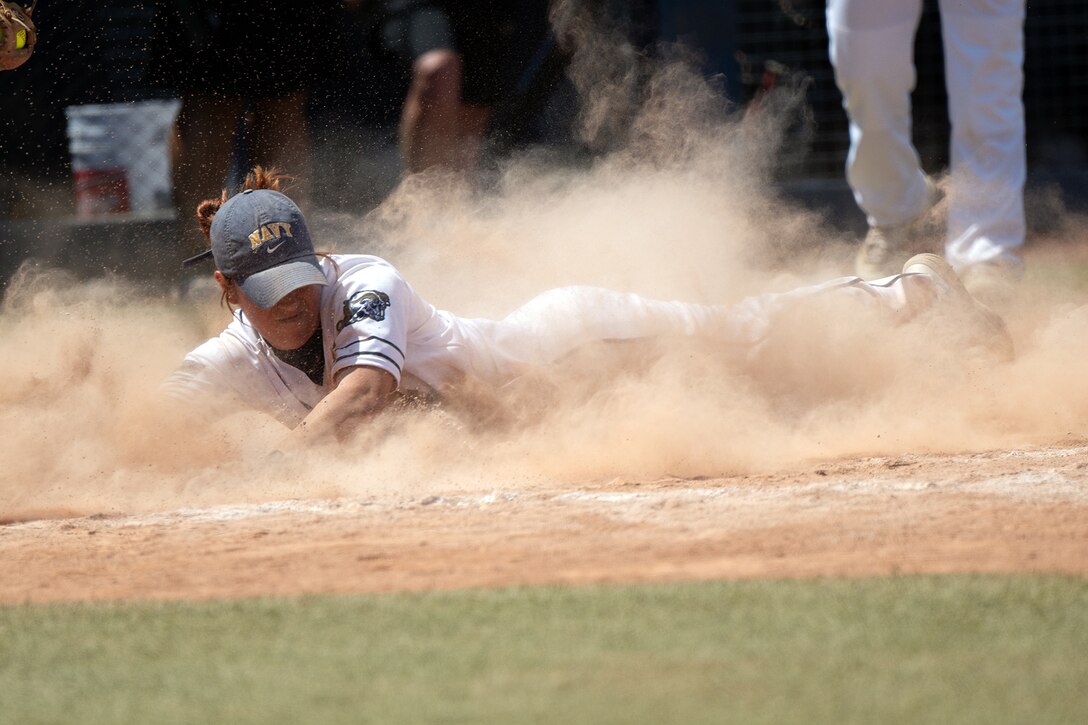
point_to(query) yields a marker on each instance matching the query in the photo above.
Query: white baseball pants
(872, 51)
(559, 321)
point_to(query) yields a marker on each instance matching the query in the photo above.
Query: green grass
(960, 649)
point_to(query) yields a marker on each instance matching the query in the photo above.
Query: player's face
(289, 323)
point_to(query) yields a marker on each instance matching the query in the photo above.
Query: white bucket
(121, 156)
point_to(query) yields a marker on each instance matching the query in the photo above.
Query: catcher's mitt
(17, 33)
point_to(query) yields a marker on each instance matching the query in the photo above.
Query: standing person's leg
(459, 58)
(472, 121)
(872, 52)
(984, 56)
(430, 121)
(431, 118)
(437, 128)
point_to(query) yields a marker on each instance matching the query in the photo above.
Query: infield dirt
(1015, 511)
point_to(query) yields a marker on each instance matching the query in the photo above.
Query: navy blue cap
(260, 241)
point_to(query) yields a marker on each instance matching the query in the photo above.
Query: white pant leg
(558, 321)
(751, 320)
(872, 52)
(984, 58)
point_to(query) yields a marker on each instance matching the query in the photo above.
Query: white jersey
(370, 316)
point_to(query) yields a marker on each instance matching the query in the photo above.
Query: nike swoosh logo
(272, 249)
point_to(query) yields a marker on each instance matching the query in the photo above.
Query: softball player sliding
(322, 342)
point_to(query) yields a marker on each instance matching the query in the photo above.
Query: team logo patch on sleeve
(368, 304)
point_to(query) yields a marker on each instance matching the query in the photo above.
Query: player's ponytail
(270, 178)
(205, 212)
(259, 178)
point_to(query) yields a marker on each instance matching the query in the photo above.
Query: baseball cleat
(995, 283)
(981, 326)
(884, 248)
(880, 253)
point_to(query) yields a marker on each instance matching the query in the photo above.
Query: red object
(100, 192)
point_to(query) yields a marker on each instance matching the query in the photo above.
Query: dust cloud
(677, 204)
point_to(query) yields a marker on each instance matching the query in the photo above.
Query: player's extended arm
(361, 393)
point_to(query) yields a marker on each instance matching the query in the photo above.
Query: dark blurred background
(98, 52)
